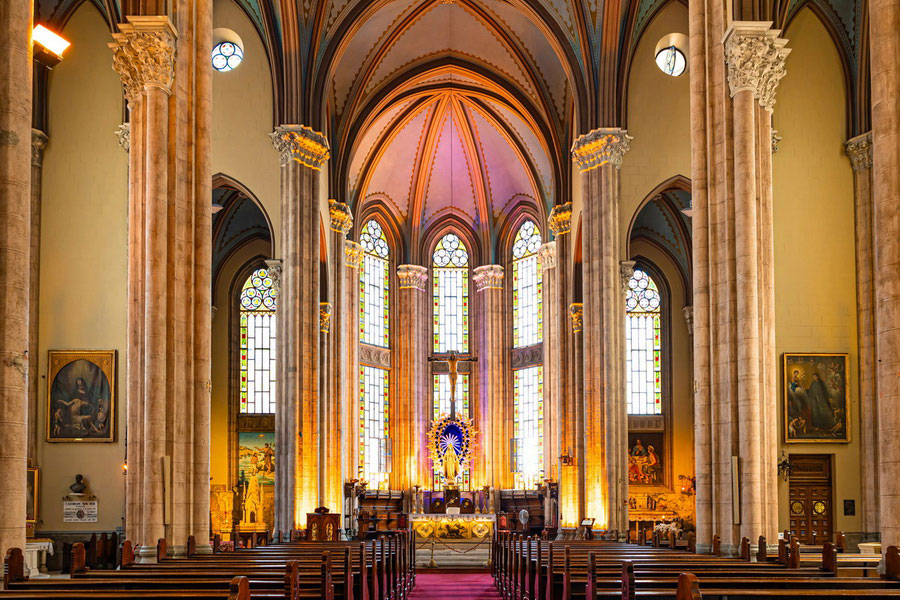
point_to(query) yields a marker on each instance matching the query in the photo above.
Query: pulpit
(323, 527)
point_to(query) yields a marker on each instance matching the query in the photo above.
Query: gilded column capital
(144, 54)
(123, 133)
(302, 144)
(560, 219)
(688, 312)
(576, 314)
(412, 277)
(38, 143)
(599, 147)
(341, 217)
(626, 272)
(488, 277)
(754, 56)
(353, 254)
(547, 255)
(859, 151)
(325, 317)
(274, 268)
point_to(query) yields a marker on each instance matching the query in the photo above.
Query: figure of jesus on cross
(452, 360)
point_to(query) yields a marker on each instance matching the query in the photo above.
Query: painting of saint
(31, 494)
(256, 457)
(645, 459)
(816, 406)
(80, 399)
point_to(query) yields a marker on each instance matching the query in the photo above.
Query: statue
(450, 460)
(452, 361)
(79, 486)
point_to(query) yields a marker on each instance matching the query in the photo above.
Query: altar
(444, 527)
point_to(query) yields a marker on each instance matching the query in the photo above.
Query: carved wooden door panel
(810, 504)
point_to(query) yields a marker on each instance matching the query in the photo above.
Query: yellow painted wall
(83, 258)
(815, 280)
(242, 116)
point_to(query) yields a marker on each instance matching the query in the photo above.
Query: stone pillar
(732, 93)
(329, 461)
(884, 49)
(598, 155)
(341, 377)
(859, 150)
(348, 329)
(492, 409)
(38, 143)
(303, 152)
(411, 377)
(15, 217)
(576, 317)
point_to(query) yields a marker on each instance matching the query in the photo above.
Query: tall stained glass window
(442, 395)
(257, 331)
(527, 297)
(374, 284)
(528, 402)
(451, 295)
(643, 347)
(374, 427)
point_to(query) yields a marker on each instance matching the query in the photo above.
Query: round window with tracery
(642, 295)
(226, 56)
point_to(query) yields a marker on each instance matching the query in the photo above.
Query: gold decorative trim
(560, 219)
(341, 217)
(353, 254)
(599, 147)
(325, 317)
(576, 314)
(302, 144)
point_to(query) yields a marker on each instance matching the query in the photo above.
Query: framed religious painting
(81, 396)
(31, 491)
(646, 459)
(816, 401)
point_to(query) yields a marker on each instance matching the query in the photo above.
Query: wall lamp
(48, 46)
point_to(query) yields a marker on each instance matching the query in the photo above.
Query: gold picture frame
(32, 490)
(816, 398)
(81, 396)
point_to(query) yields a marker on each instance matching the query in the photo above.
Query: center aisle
(464, 586)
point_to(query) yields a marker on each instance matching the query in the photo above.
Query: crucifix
(452, 360)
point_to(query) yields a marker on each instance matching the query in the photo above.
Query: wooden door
(810, 504)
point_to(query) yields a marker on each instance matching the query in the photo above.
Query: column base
(145, 555)
(203, 549)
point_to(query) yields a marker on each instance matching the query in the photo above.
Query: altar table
(452, 527)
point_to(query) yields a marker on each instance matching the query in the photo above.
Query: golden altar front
(474, 527)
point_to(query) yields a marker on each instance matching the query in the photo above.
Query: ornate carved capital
(123, 133)
(859, 150)
(412, 277)
(341, 217)
(38, 143)
(755, 55)
(273, 268)
(301, 143)
(560, 219)
(488, 277)
(325, 317)
(776, 139)
(547, 255)
(353, 254)
(576, 313)
(144, 54)
(600, 146)
(626, 272)
(688, 312)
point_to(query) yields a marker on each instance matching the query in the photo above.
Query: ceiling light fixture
(48, 46)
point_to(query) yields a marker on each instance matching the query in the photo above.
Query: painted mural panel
(257, 457)
(645, 459)
(816, 406)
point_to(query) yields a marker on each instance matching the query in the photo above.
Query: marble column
(38, 143)
(410, 374)
(859, 150)
(733, 320)
(576, 317)
(885, 72)
(303, 153)
(348, 329)
(15, 217)
(598, 155)
(492, 408)
(341, 377)
(328, 429)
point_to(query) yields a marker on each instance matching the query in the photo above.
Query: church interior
(388, 299)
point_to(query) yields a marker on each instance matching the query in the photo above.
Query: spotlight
(48, 46)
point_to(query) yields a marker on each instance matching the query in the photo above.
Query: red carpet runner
(464, 586)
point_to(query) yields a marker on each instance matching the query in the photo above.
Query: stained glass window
(257, 331)
(527, 297)
(451, 295)
(374, 286)
(528, 416)
(374, 427)
(226, 56)
(442, 395)
(643, 347)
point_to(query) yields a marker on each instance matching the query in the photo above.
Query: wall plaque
(79, 511)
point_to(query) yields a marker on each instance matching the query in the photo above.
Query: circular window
(671, 61)
(226, 56)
